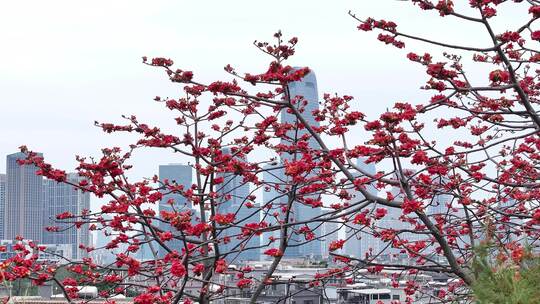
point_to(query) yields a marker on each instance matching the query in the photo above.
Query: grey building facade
(175, 174)
(358, 243)
(305, 89)
(272, 200)
(61, 197)
(330, 232)
(3, 184)
(24, 208)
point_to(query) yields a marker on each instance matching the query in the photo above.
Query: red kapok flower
(198, 269)
(535, 35)
(335, 245)
(243, 283)
(178, 269)
(275, 252)
(535, 10)
(380, 213)
(499, 76)
(144, 298)
(411, 206)
(224, 219)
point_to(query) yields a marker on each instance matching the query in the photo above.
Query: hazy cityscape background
(28, 203)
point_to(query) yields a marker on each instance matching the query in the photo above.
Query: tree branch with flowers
(489, 170)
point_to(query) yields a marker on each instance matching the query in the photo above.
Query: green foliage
(62, 273)
(500, 283)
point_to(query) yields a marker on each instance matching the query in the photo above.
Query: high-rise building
(439, 206)
(180, 175)
(103, 237)
(306, 89)
(233, 196)
(145, 252)
(272, 201)
(442, 201)
(24, 208)
(359, 242)
(330, 233)
(61, 197)
(3, 181)
(393, 220)
(508, 227)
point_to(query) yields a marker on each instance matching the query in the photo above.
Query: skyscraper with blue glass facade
(305, 90)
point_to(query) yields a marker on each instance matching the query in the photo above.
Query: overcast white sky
(64, 64)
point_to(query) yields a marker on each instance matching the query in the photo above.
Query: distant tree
(500, 282)
(474, 142)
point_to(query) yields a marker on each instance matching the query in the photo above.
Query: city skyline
(29, 203)
(24, 209)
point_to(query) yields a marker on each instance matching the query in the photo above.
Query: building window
(308, 301)
(395, 297)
